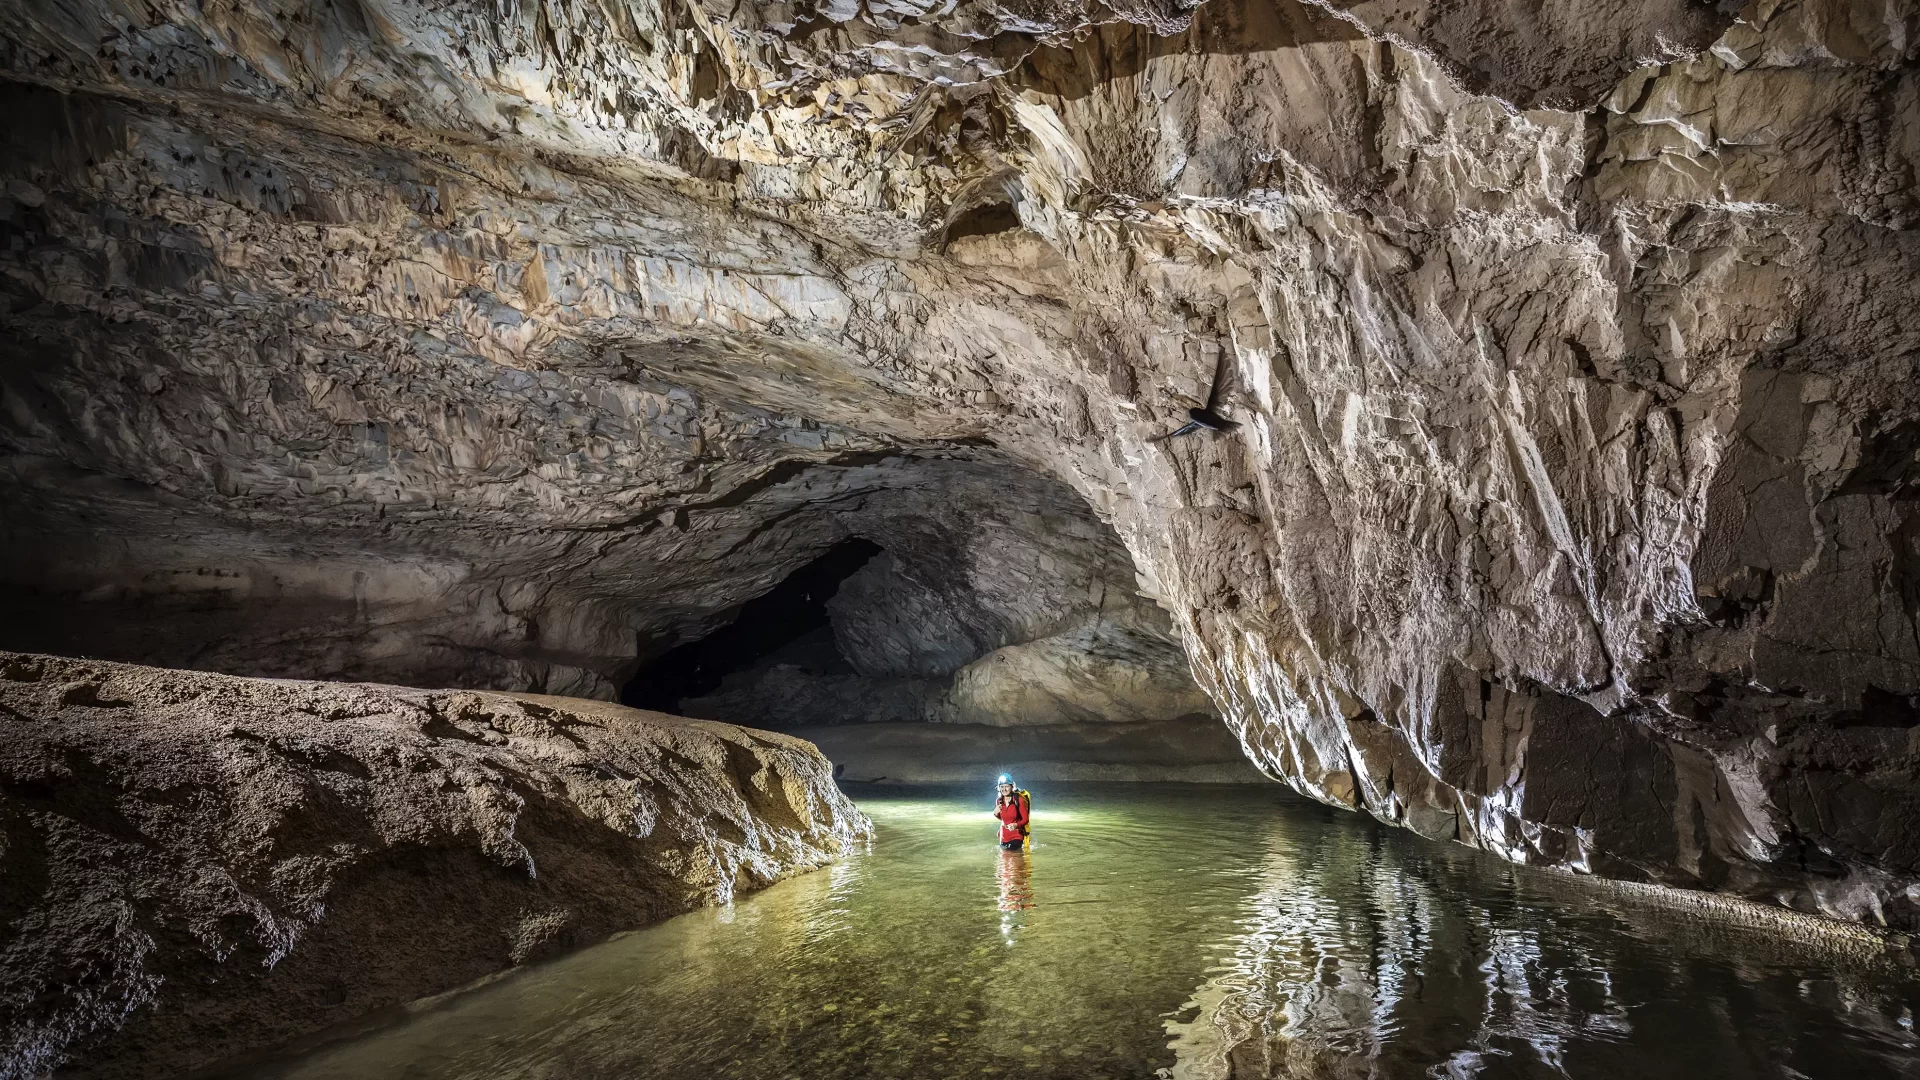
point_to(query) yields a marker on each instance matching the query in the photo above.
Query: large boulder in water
(200, 865)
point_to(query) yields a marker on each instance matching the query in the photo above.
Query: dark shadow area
(987, 220)
(1121, 50)
(794, 611)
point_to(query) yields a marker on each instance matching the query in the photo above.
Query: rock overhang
(1583, 406)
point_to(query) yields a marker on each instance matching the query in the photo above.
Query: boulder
(199, 866)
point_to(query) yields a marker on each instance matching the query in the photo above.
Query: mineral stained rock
(1570, 512)
(200, 865)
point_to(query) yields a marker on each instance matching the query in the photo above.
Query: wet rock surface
(1569, 513)
(199, 866)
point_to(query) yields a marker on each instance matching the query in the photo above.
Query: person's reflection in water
(1016, 893)
(1016, 890)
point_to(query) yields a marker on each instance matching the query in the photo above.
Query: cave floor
(1176, 931)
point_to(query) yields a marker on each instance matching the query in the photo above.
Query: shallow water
(1168, 931)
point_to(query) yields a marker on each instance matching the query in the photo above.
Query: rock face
(1571, 346)
(997, 600)
(200, 865)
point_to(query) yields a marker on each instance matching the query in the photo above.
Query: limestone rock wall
(199, 866)
(1572, 349)
(1094, 674)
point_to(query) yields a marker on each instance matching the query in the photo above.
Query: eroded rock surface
(198, 866)
(1570, 513)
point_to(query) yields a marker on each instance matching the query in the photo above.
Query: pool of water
(1172, 931)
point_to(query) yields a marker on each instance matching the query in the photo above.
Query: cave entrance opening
(989, 219)
(788, 623)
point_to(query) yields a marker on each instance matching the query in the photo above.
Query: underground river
(1173, 931)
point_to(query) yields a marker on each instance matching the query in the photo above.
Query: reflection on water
(1016, 889)
(1175, 932)
(1403, 960)
(1016, 880)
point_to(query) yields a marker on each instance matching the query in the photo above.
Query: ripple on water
(1164, 931)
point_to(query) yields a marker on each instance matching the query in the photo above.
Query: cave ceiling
(1570, 512)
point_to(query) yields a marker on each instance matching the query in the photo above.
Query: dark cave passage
(792, 615)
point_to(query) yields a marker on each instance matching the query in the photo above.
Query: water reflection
(1013, 874)
(1357, 961)
(1186, 932)
(1015, 878)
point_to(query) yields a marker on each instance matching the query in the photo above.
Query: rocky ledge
(200, 865)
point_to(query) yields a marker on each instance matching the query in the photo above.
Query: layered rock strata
(1571, 345)
(199, 866)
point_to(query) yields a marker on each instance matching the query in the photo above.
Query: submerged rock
(199, 866)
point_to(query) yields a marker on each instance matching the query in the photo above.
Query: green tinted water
(1164, 931)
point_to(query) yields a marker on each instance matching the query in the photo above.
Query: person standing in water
(1014, 809)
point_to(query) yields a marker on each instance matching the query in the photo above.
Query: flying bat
(1208, 415)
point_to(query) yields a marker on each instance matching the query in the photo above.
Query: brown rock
(198, 866)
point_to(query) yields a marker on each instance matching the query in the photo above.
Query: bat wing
(1219, 383)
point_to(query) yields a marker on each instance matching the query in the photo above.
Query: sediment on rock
(200, 866)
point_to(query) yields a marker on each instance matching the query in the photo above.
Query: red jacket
(1014, 813)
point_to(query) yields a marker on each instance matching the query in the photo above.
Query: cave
(496, 496)
(787, 625)
(987, 219)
